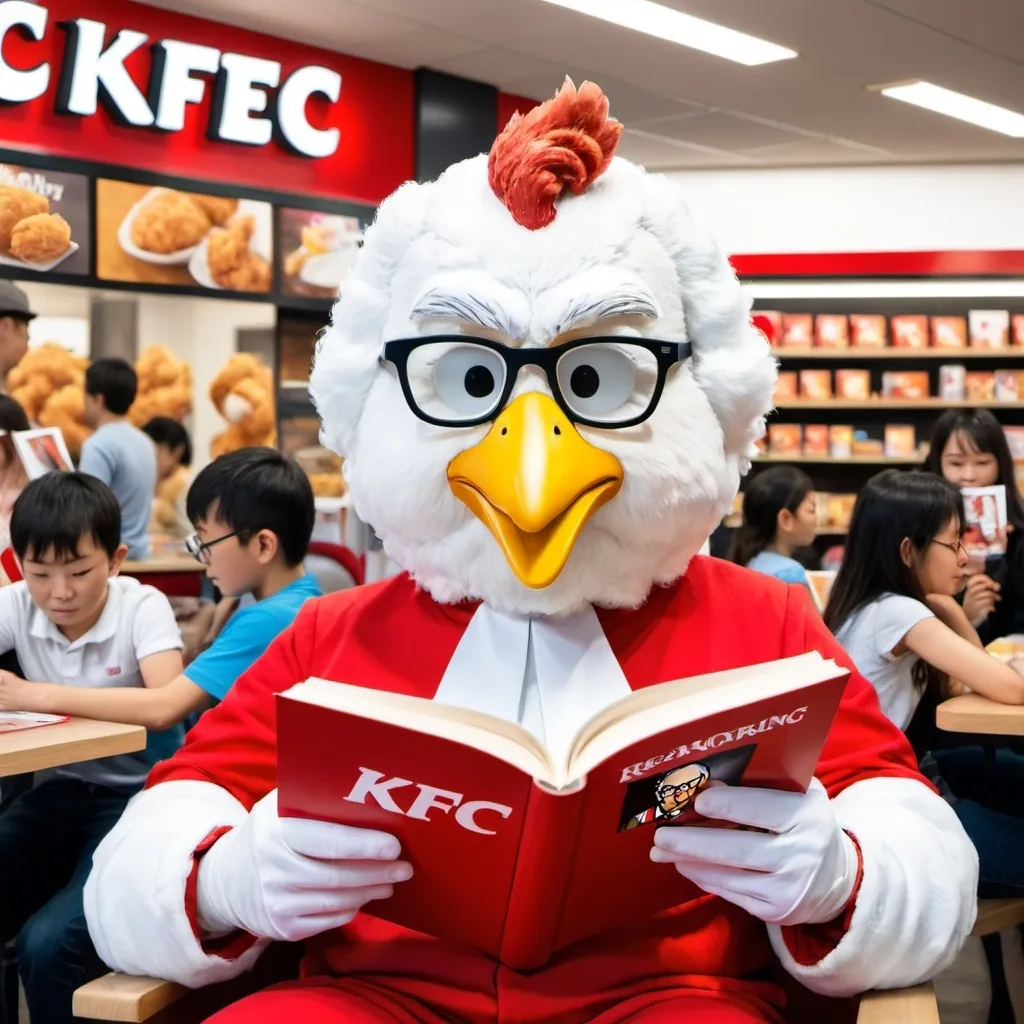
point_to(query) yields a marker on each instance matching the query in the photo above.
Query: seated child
(173, 458)
(72, 619)
(893, 608)
(253, 509)
(779, 517)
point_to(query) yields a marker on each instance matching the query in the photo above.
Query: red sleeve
(234, 745)
(863, 743)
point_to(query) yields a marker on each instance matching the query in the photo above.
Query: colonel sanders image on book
(675, 791)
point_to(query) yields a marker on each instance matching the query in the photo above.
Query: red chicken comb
(565, 143)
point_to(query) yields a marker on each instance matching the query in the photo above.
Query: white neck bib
(549, 675)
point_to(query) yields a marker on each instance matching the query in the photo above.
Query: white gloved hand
(801, 871)
(290, 878)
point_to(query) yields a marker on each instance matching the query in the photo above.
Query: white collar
(501, 659)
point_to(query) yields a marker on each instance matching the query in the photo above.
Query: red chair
(353, 564)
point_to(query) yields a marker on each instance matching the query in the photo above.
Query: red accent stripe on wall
(508, 104)
(952, 263)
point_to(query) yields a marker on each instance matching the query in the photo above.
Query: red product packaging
(909, 331)
(797, 330)
(867, 331)
(816, 384)
(815, 439)
(832, 330)
(854, 384)
(949, 332)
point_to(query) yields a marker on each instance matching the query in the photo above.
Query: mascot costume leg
(544, 381)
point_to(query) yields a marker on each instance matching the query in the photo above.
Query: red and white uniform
(706, 960)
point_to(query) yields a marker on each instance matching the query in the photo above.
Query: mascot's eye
(467, 379)
(599, 380)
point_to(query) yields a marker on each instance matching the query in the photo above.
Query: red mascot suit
(545, 384)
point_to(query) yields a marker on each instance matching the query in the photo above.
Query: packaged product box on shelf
(815, 439)
(989, 328)
(867, 330)
(784, 439)
(949, 332)
(769, 323)
(1017, 329)
(909, 331)
(855, 384)
(865, 446)
(821, 509)
(786, 385)
(905, 384)
(832, 330)
(840, 440)
(816, 384)
(840, 510)
(1007, 386)
(951, 382)
(797, 330)
(979, 386)
(1015, 441)
(900, 441)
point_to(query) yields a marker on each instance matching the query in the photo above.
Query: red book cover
(515, 853)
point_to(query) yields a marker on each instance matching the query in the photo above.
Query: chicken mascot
(545, 383)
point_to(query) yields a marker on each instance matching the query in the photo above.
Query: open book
(519, 853)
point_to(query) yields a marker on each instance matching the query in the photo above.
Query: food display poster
(167, 236)
(45, 221)
(317, 249)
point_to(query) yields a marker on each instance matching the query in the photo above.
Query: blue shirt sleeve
(793, 574)
(245, 637)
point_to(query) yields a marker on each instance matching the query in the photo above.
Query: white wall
(863, 209)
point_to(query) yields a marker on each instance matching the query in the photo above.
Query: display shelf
(851, 352)
(890, 403)
(853, 460)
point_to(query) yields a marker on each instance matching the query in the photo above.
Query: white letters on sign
(249, 102)
(29, 20)
(373, 785)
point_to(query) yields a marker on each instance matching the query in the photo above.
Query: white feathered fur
(682, 467)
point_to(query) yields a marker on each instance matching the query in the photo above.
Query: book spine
(541, 878)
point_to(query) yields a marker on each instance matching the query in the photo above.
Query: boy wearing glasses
(100, 635)
(253, 511)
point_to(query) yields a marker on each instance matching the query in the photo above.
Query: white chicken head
(541, 372)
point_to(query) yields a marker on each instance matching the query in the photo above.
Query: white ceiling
(685, 109)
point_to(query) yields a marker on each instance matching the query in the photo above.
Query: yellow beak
(534, 482)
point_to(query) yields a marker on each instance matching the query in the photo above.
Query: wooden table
(974, 713)
(79, 739)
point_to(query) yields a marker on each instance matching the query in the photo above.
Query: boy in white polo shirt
(73, 620)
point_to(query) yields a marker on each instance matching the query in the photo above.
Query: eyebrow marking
(602, 307)
(469, 306)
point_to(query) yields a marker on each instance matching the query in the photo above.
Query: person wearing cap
(14, 320)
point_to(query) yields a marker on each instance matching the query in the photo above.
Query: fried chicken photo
(232, 264)
(41, 238)
(169, 222)
(218, 209)
(15, 205)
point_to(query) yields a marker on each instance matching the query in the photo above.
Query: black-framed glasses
(955, 546)
(199, 549)
(607, 382)
(682, 788)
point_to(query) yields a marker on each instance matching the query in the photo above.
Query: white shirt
(869, 636)
(137, 621)
(554, 673)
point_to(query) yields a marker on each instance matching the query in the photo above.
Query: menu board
(318, 249)
(44, 220)
(167, 236)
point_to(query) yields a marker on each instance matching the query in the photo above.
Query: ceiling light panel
(956, 104)
(675, 27)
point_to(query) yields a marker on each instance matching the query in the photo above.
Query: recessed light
(956, 104)
(675, 27)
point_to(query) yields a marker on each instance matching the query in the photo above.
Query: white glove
(801, 871)
(290, 878)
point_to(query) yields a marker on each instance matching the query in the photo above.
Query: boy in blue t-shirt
(253, 511)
